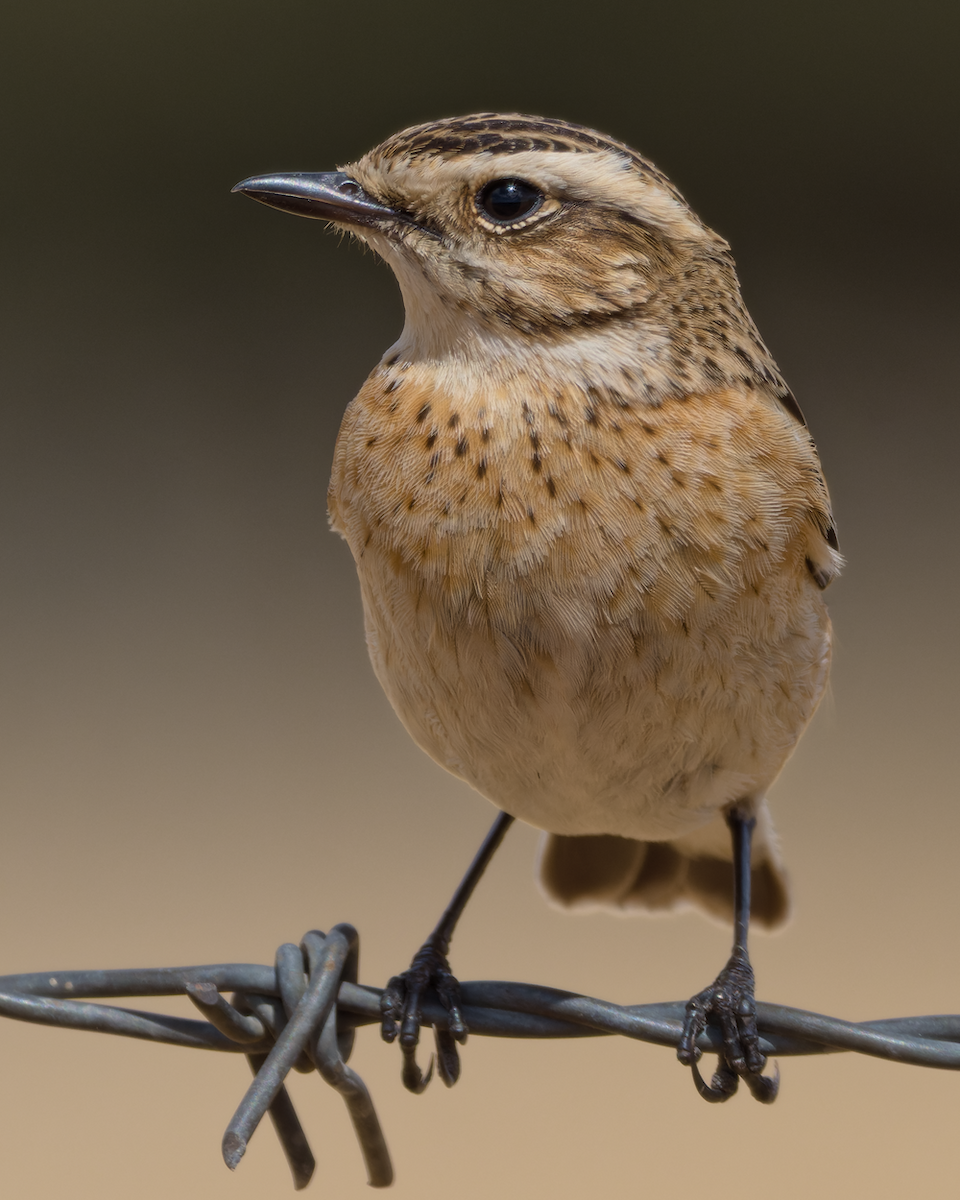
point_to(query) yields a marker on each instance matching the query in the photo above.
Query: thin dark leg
(402, 996)
(741, 833)
(730, 998)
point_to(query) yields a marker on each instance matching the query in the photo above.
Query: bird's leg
(730, 998)
(401, 998)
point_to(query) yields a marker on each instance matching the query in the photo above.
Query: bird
(592, 535)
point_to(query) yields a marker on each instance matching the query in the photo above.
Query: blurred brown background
(197, 763)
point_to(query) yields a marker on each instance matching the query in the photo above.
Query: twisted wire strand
(302, 1014)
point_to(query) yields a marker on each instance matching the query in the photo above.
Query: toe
(694, 1024)
(448, 993)
(722, 1086)
(391, 1007)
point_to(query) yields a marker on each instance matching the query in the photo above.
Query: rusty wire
(302, 1013)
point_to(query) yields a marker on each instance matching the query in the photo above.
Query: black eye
(508, 200)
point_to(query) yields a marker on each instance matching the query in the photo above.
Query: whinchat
(591, 530)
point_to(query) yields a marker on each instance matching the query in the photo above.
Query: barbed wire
(302, 1014)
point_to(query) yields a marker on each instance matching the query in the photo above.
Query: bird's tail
(605, 871)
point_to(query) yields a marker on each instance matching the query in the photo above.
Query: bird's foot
(730, 1001)
(400, 1012)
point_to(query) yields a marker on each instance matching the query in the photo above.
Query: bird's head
(512, 227)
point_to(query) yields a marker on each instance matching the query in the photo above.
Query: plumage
(582, 533)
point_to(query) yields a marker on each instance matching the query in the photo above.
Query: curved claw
(721, 1087)
(411, 1076)
(764, 1088)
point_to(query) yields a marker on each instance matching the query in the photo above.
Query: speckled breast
(595, 611)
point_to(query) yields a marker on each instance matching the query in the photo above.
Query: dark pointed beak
(329, 196)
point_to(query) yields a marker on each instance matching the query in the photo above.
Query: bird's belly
(629, 727)
(599, 614)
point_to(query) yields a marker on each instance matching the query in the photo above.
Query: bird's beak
(328, 196)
